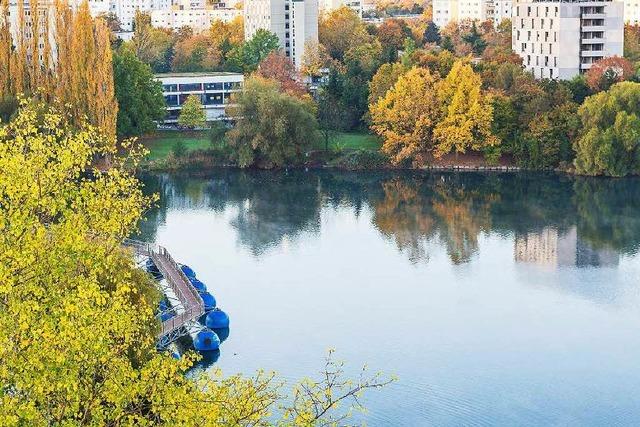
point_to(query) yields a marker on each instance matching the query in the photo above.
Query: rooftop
(199, 74)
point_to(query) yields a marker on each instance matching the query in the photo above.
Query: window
(213, 86)
(171, 100)
(170, 88)
(213, 99)
(190, 87)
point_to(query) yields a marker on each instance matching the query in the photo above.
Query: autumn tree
(196, 53)
(632, 43)
(192, 114)
(608, 71)
(153, 46)
(467, 113)
(407, 115)
(225, 36)
(609, 141)
(276, 66)
(273, 128)
(140, 100)
(314, 59)
(341, 30)
(384, 79)
(77, 324)
(392, 34)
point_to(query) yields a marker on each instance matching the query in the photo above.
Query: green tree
(192, 114)
(139, 94)
(250, 54)
(550, 136)
(475, 40)
(609, 143)
(273, 128)
(431, 34)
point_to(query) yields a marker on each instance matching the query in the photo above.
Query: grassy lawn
(161, 142)
(353, 141)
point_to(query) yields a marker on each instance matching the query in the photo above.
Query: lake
(496, 299)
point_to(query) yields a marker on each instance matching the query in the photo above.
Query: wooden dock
(190, 306)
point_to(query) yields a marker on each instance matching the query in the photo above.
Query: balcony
(591, 53)
(595, 40)
(592, 27)
(593, 16)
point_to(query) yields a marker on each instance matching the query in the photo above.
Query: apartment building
(632, 12)
(294, 22)
(213, 89)
(501, 10)
(198, 19)
(329, 5)
(446, 11)
(560, 39)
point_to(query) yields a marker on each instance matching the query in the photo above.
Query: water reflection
(497, 299)
(556, 220)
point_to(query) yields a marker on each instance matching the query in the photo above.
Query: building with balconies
(213, 89)
(561, 39)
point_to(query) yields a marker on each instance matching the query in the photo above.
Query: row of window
(546, 61)
(198, 87)
(523, 48)
(546, 36)
(533, 25)
(546, 11)
(206, 99)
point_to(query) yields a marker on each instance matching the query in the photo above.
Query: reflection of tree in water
(609, 213)
(462, 214)
(274, 206)
(404, 216)
(414, 211)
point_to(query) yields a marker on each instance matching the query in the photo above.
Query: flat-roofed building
(561, 39)
(213, 89)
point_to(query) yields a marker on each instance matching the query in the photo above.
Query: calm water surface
(496, 299)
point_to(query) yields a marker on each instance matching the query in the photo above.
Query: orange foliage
(278, 67)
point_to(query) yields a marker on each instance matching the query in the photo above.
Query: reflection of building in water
(553, 248)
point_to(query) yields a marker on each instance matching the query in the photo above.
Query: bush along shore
(201, 150)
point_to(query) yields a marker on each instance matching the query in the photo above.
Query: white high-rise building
(561, 39)
(501, 10)
(295, 22)
(329, 5)
(445, 11)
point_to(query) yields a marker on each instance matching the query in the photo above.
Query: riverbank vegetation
(476, 101)
(77, 323)
(475, 97)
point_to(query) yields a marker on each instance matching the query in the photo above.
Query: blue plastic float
(188, 271)
(206, 340)
(200, 287)
(209, 301)
(217, 319)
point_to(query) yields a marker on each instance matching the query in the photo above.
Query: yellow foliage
(77, 328)
(467, 113)
(407, 115)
